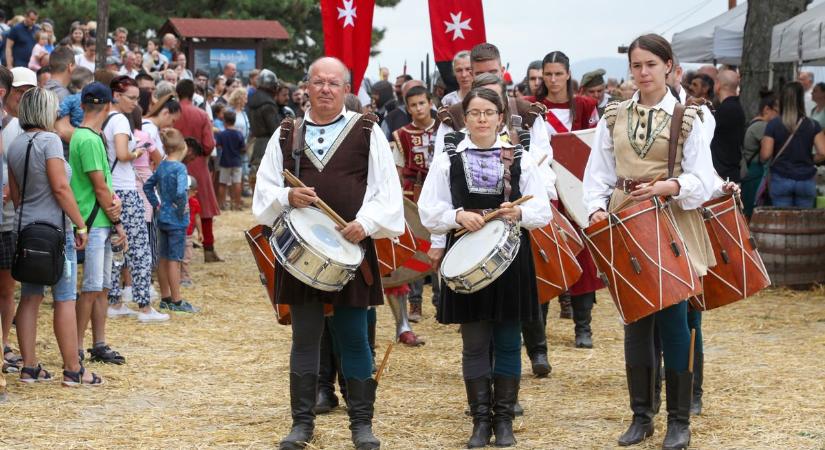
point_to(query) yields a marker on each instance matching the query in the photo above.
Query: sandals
(36, 375)
(105, 354)
(12, 363)
(76, 379)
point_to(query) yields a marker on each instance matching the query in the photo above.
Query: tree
(756, 49)
(289, 59)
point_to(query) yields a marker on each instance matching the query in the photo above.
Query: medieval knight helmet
(267, 80)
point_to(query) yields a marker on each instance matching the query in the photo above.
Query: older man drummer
(345, 160)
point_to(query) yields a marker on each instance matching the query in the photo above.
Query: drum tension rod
(614, 220)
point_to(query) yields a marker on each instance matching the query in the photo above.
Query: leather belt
(628, 186)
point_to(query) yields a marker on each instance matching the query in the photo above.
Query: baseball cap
(96, 93)
(112, 60)
(23, 76)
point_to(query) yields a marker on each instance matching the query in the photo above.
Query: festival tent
(718, 40)
(800, 38)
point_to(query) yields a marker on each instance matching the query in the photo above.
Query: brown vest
(341, 183)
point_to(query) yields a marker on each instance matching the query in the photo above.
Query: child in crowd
(231, 144)
(218, 111)
(194, 224)
(40, 56)
(172, 181)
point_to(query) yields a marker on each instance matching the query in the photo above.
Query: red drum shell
(739, 271)
(553, 257)
(655, 277)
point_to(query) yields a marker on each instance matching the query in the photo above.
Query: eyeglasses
(319, 84)
(476, 113)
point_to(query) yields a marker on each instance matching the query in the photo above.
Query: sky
(526, 30)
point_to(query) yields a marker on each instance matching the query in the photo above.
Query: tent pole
(770, 77)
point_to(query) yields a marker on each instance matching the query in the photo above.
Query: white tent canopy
(800, 38)
(718, 40)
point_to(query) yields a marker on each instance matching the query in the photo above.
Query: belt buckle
(627, 186)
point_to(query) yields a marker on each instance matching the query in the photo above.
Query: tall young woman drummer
(466, 177)
(569, 112)
(631, 144)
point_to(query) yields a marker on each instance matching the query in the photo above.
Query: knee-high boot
(640, 386)
(326, 399)
(361, 396)
(566, 308)
(479, 397)
(582, 315)
(302, 391)
(678, 386)
(505, 395)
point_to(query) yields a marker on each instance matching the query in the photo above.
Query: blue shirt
(172, 181)
(70, 106)
(23, 38)
(232, 145)
(797, 161)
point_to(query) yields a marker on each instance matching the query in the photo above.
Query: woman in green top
(768, 109)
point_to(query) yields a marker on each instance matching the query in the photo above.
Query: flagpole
(429, 81)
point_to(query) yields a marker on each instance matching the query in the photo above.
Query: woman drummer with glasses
(630, 148)
(471, 176)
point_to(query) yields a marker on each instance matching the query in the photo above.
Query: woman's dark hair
(791, 104)
(820, 86)
(144, 99)
(136, 118)
(767, 99)
(167, 102)
(707, 81)
(560, 58)
(484, 94)
(122, 83)
(653, 43)
(193, 145)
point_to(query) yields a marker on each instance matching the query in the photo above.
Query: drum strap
(507, 161)
(675, 131)
(298, 144)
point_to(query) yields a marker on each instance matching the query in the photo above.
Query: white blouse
(696, 181)
(382, 211)
(435, 205)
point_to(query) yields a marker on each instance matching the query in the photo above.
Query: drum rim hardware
(505, 249)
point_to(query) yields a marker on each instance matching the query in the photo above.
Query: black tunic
(511, 297)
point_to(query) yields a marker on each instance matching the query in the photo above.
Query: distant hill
(615, 66)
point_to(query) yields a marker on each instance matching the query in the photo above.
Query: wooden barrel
(792, 244)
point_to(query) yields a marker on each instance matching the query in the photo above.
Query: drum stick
(295, 182)
(691, 353)
(493, 214)
(629, 200)
(543, 158)
(383, 364)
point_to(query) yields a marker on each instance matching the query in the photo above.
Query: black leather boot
(582, 315)
(479, 397)
(678, 386)
(505, 393)
(566, 309)
(535, 342)
(640, 386)
(326, 399)
(361, 396)
(302, 390)
(698, 370)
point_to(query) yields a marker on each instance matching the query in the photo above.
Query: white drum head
(472, 248)
(319, 232)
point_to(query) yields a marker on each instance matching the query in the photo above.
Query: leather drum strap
(507, 161)
(298, 144)
(675, 132)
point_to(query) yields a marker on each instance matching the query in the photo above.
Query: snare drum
(479, 258)
(309, 247)
(739, 271)
(644, 259)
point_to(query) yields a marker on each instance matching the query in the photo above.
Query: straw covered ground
(219, 379)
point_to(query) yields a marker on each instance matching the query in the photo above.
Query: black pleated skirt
(512, 297)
